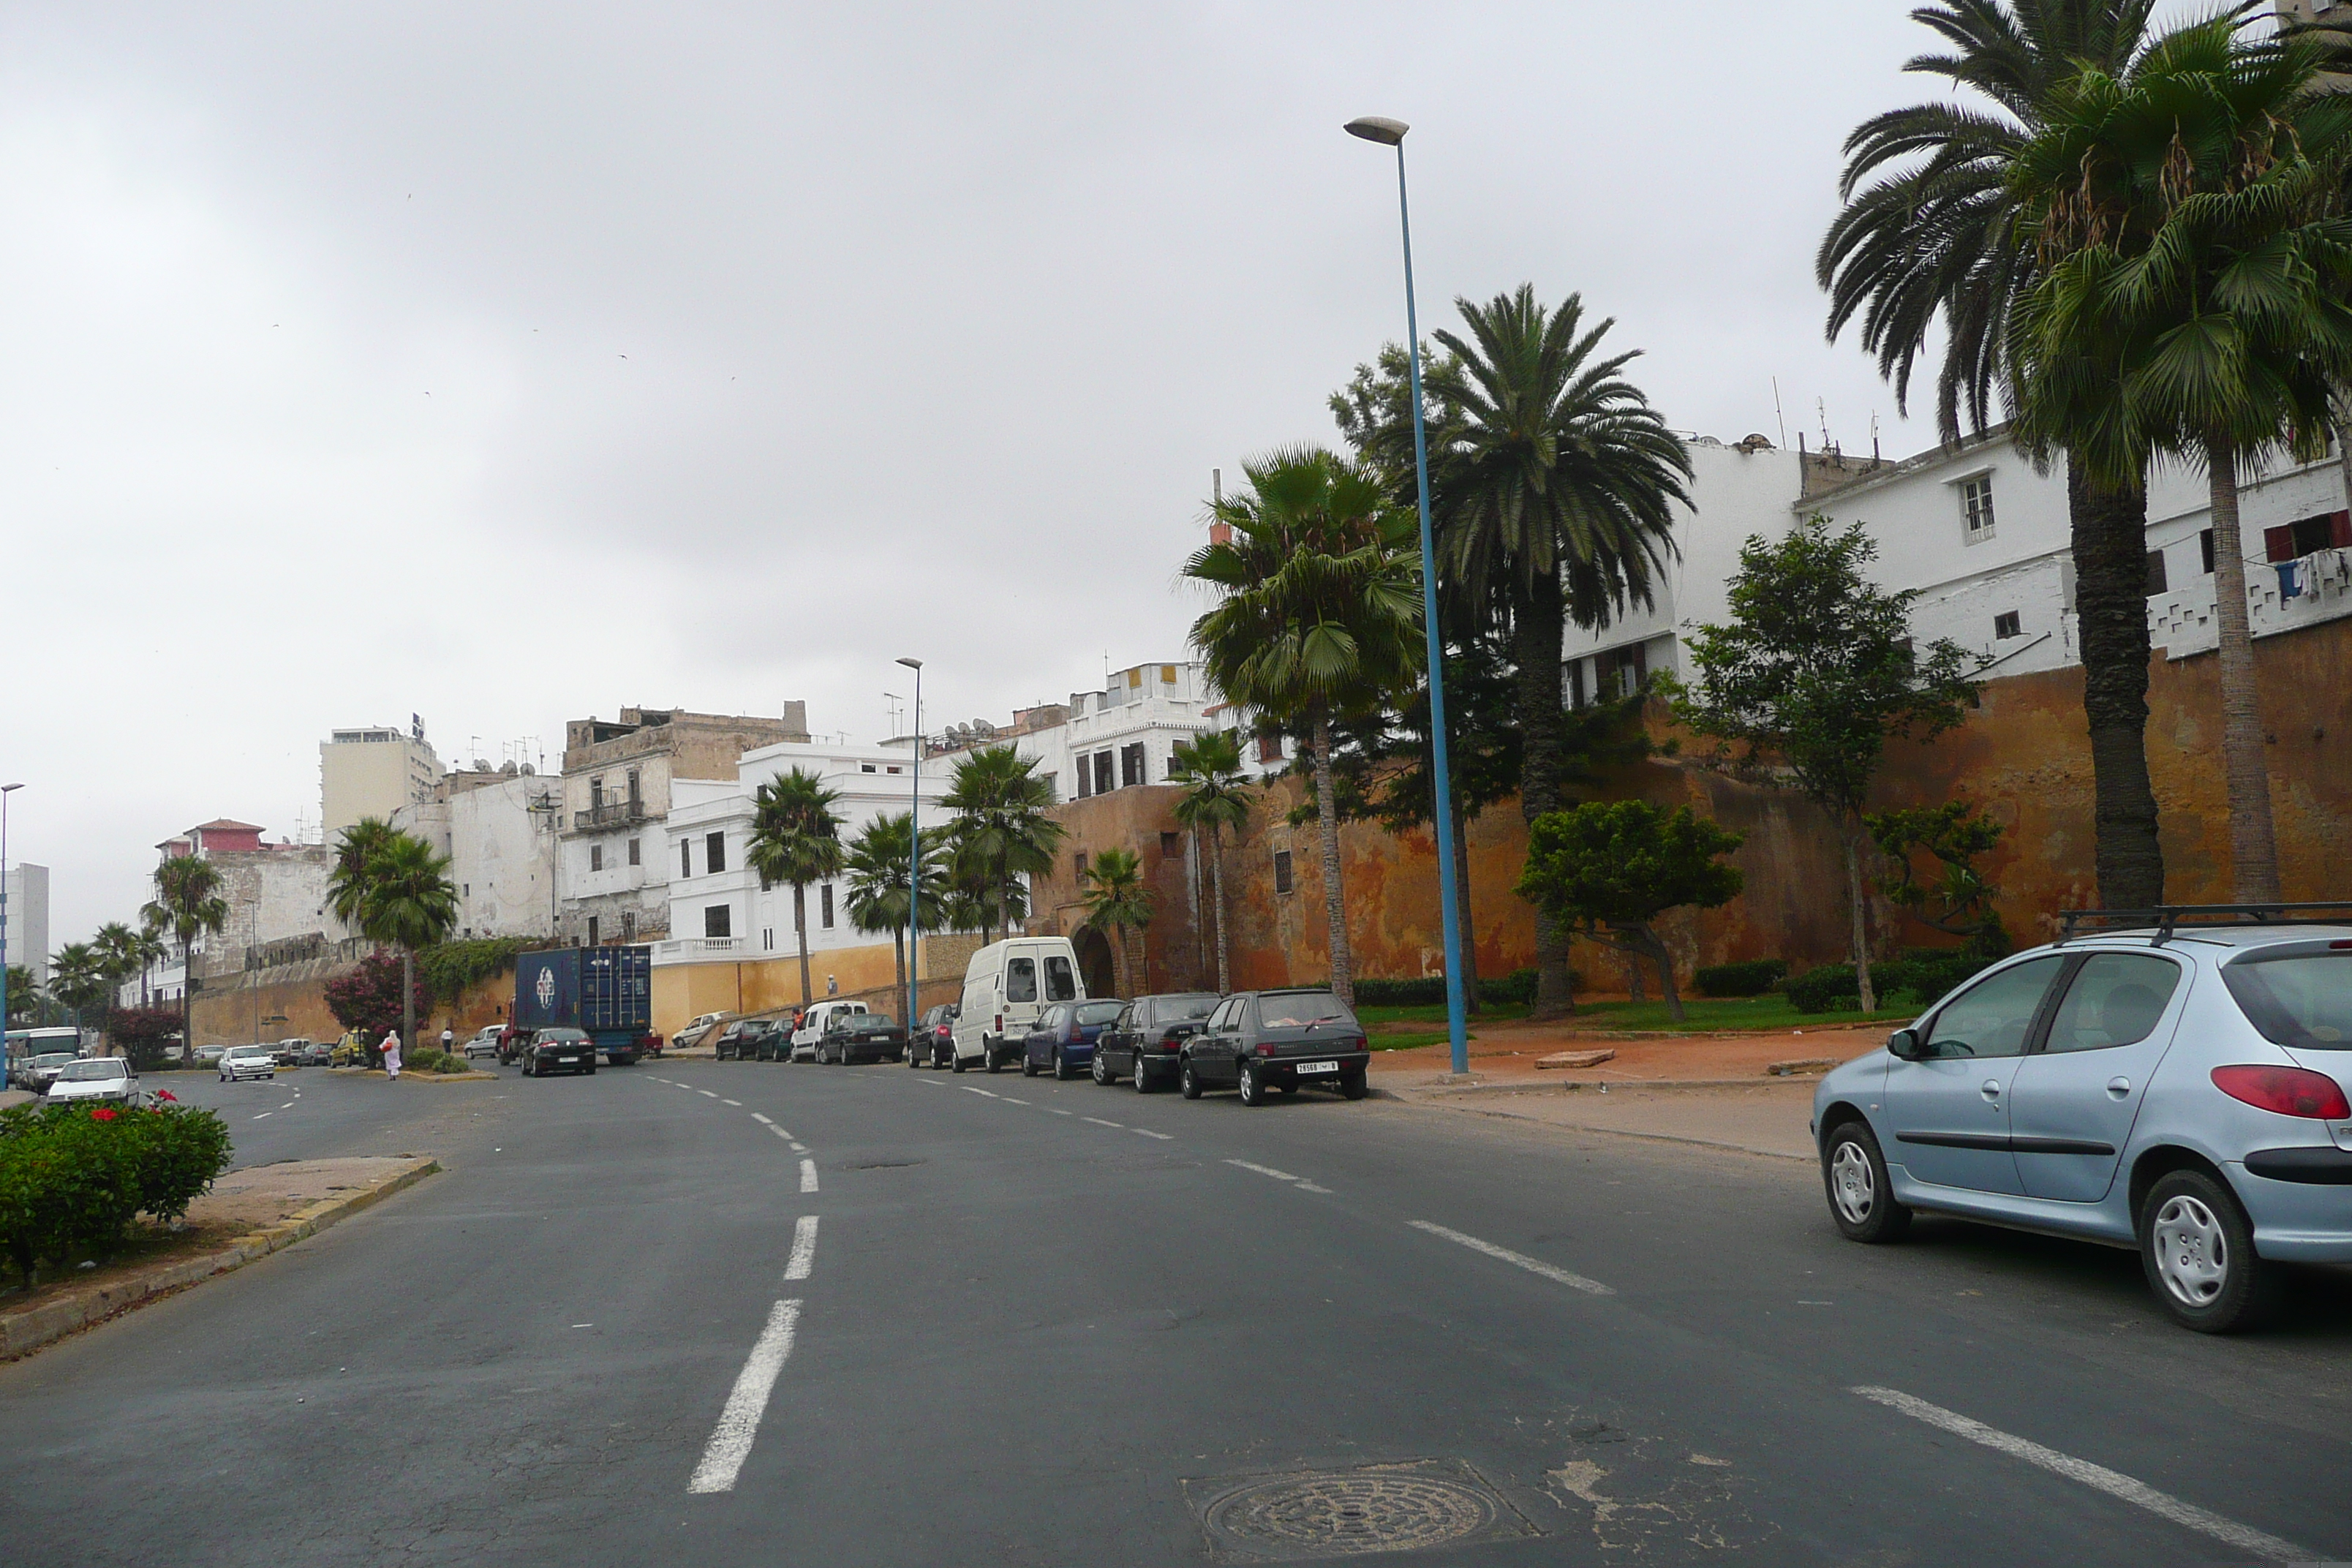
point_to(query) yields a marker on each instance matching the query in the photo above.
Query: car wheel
(957, 1065)
(989, 1051)
(589, 1069)
(2198, 1249)
(913, 1061)
(1028, 1068)
(1142, 1074)
(1861, 1199)
(1062, 1073)
(1252, 1091)
(1100, 1069)
(1188, 1082)
(1352, 1086)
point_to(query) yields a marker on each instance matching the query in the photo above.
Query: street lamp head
(1376, 128)
(912, 663)
(7, 788)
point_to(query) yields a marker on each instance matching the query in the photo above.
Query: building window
(1086, 777)
(633, 852)
(1053, 795)
(718, 919)
(2006, 624)
(628, 925)
(595, 856)
(1575, 683)
(685, 857)
(1269, 746)
(2156, 578)
(1976, 509)
(1130, 765)
(1102, 772)
(595, 794)
(768, 938)
(1282, 870)
(1169, 843)
(2305, 536)
(637, 789)
(714, 854)
(592, 930)
(1078, 865)
(825, 907)
(868, 767)
(891, 768)
(1621, 672)
(2205, 552)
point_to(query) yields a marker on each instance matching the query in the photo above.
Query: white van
(813, 1023)
(1005, 986)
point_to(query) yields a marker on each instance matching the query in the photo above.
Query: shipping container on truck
(607, 991)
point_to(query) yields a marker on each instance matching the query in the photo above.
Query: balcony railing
(686, 950)
(611, 813)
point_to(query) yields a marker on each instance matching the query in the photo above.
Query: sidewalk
(1505, 1055)
(1770, 1118)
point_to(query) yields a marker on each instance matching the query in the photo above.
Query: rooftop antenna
(1874, 437)
(1217, 486)
(1781, 418)
(1822, 405)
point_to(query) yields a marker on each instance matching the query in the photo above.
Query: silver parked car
(2170, 1081)
(249, 1061)
(99, 1080)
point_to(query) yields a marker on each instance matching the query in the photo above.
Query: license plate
(1319, 1067)
(567, 1059)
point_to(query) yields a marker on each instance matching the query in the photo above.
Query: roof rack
(2168, 917)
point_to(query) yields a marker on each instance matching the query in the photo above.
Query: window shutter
(2278, 543)
(2339, 530)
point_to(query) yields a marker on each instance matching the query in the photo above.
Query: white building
(718, 910)
(372, 772)
(498, 829)
(27, 895)
(1986, 543)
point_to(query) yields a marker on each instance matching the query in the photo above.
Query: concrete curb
(21, 1333)
(467, 1076)
(1595, 1085)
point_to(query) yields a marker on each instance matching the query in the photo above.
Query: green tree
(877, 869)
(796, 839)
(1612, 867)
(1117, 901)
(187, 904)
(1555, 493)
(1956, 898)
(77, 977)
(25, 1001)
(1216, 798)
(395, 892)
(1936, 230)
(355, 848)
(1002, 832)
(1816, 671)
(1318, 617)
(2200, 302)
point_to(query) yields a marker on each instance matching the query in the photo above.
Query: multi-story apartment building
(499, 829)
(374, 773)
(277, 899)
(27, 895)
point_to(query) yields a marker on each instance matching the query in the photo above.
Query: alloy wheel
(2192, 1254)
(1852, 1182)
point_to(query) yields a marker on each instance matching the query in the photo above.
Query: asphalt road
(1057, 1324)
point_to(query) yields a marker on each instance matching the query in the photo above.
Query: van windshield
(2300, 1000)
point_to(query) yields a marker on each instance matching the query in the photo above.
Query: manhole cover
(1350, 1513)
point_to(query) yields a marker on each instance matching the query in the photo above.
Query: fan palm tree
(1117, 901)
(2197, 301)
(877, 871)
(1002, 831)
(24, 1002)
(77, 977)
(1318, 617)
(119, 947)
(398, 892)
(1934, 228)
(797, 838)
(150, 950)
(347, 884)
(1216, 796)
(1558, 487)
(187, 904)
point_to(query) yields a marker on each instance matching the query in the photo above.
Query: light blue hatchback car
(2172, 1080)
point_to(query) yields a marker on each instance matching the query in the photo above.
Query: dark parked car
(1262, 1040)
(731, 1045)
(1063, 1042)
(876, 1036)
(1140, 1046)
(318, 1054)
(558, 1051)
(764, 1040)
(933, 1042)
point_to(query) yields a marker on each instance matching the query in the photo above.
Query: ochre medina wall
(227, 1006)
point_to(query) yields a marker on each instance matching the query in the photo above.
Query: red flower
(167, 1094)
(102, 1115)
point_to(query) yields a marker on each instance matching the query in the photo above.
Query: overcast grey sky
(508, 363)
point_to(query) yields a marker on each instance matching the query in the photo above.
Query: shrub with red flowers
(368, 998)
(72, 1180)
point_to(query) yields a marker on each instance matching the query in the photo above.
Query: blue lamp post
(915, 864)
(1390, 133)
(5, 791)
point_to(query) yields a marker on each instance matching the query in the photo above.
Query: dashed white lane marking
(779, 1133)
(798, 1148)
(1262, 1170)
(968, 1088)
(929, 1082)
(739, 1422)
(1518, 1260)
(738, 1104)
(808, 1176)
(803, 1258)
(2245, 1537)
(267, 1114)
(290, 1104)
(1308, 1186)
(763, 1120)
(1096, 1120)
(1145, 1132)
(1007, 1098)
(706, 1093)
(1057, 1110)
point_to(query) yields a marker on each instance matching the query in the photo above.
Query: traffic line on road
(1518, 1260)
(267, 1114)
(739, 1422)
(2244, 1537)
(808, 1176)
(1058, 1111)
(763, 1120)
(803, 1258)
(1141, 1131)
(1265, 1170)
(738, 1104)
(967, 1088)
(798, 1147)
(1007, 1098)
(707, 1094)
(1098, 1120)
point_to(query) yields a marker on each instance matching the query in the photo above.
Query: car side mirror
(1905, 1044)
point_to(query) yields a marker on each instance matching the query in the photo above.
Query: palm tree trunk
(1851, 835)
(2110, 544)
(1462, 908)
(1538, 620)
(2253, 845)
(407, 1001)
(1118, 959)
(1335, 904)
(800, 933)
(899, 952)
(187, 1002)
(1217, 880)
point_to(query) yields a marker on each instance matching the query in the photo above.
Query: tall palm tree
(2197, 301)
(150, 950)
(797, 838)
(355, 847)
(1559, 488)
(119, 946)
(1217, 796)
(77, 977)
(877, 877)
(1318, 617)
(187, 904)
(1002, 832)
(1934, 228)
(397, 892)
(1117, 901)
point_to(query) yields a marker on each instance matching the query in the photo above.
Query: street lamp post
(915, 864)
(1390, 133)
(5, 791)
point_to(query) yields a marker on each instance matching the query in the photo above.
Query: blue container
(547, 989)
(607, 991)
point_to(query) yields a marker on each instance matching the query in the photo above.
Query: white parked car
(110, 1079)
(207, 1055)
(1005, 986)
(249, 1061)
(812, 1030)
(692, 1033)
(485, 1042)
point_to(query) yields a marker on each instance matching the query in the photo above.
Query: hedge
(1517, 988)
(446, 969)
(1752, 978)
(72, 1178)
(1925, 978)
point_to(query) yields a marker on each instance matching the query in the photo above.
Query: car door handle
(1991, 1090)
(2119, 1087)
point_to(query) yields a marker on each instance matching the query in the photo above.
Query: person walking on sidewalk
(390, 1049)
(445, 1039)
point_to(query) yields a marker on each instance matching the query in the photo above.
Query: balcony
(2182, 622)
(611, 813)
(695, 949)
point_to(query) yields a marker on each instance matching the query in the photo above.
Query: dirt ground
(1509, 1050)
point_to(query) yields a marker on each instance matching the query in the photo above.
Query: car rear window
(1100, 1012)
(1296, 1009)
(1174, 1009)
(2300, 1000)
(82, 1072)
(562, 1036)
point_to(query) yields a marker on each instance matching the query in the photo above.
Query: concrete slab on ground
(1513, 1053)
(1769, 1118)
